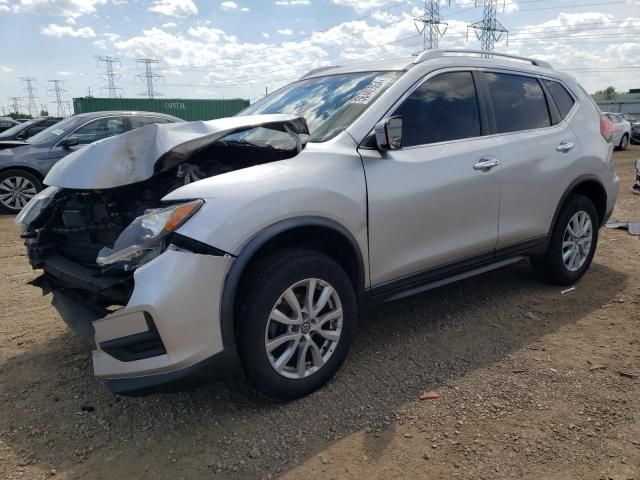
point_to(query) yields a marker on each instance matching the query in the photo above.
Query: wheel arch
(30, 170)
(589, 186)
(315, 233)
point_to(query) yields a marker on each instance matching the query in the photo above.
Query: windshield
(328, 104)
(629, 118)
(54, 132)
(15, 129)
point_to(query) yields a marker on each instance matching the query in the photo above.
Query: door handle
(564, 147)
(486, 164)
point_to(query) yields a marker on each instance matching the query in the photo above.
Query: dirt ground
(533, 384)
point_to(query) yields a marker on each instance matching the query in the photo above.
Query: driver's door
(430, 203)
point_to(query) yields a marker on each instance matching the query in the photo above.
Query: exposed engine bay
(73, 229)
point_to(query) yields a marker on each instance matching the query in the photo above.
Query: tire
(624, 142)
(17, 187)
(267, 288)
(554, 266)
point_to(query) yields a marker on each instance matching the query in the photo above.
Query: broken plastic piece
(567, 290)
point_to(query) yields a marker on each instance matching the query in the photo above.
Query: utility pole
(31, 98)
(58, 91)
(149, 75)
(429, 24)
(489, 30)
(110, 74)
(15, 105)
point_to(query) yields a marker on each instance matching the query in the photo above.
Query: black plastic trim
(137, 346)
(420, 281)
(216, 367)
(254, 244)
(195, 246)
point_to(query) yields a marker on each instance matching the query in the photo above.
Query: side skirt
(453, 272)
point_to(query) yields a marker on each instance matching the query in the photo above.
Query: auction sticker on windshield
(370, 91)
(57, 132)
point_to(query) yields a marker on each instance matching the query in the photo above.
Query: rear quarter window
(563, 100)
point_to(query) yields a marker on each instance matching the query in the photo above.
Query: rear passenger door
(432, 203)
(530, 117)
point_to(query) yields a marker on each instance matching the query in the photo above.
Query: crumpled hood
(139, 154)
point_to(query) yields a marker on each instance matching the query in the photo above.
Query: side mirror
(21, 136)
(389, 133)
(69, 142)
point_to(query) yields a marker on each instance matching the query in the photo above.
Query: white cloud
(265, 35)
(63, 8)
(385, 17)
(4, 6)
(169, 25)
(285, 31)
(360, 6)
(228, 6)
(5, 69)
(288, 3)
(245, 9)
(174, 8)
(65, 74)
(55, 30)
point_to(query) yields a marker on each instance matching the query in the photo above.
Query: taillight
(606, 128)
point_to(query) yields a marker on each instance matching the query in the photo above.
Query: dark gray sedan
(24, 164)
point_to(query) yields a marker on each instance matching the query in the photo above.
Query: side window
(99, 129)
(443, 108)
(40, 127)
(137, 122)
(518, 102)
(561, 97)
(613, 118)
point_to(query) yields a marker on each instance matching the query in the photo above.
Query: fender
(567, 192)
(247, 252)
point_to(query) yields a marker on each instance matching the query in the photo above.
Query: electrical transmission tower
(31, 97)
(15, 104)
(110, 74)
(149, 75)
(430, 23)
(58, 91)
(489, 30)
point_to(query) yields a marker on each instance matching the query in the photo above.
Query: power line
(149, 75)
(431, 23)
(489, 30)
(15, 105)
(31, 98)
(58, 91)
(109, 74)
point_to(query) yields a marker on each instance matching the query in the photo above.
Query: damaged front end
(103, 220)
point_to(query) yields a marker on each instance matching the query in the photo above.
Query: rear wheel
(624, 142)
(296, 322)
(17, 187)
(572, 245)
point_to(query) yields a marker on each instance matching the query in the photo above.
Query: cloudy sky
(215, 49)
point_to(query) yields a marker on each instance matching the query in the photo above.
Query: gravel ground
(533, 384)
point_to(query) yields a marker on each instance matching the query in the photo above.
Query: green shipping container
(186, 109)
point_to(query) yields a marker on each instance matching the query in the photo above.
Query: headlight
(142, 239)
(32, 210)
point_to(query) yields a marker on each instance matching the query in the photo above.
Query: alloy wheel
(576, 242)
(16, 191)
(304, 328)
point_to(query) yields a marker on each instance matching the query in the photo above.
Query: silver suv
(176, 249)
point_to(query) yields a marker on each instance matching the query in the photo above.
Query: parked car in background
(25, 130)
(262, 235)
(25, 163)
(635, 126)
(6, 123)
(622, 133)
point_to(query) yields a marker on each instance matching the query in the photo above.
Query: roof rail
(317, 70)
(431, 54)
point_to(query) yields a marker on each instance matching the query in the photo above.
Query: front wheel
(17, 187)
(572, 245)
(296, 322)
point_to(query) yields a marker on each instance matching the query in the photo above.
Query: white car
(622, 133)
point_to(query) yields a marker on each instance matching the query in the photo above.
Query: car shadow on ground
(401, 348)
